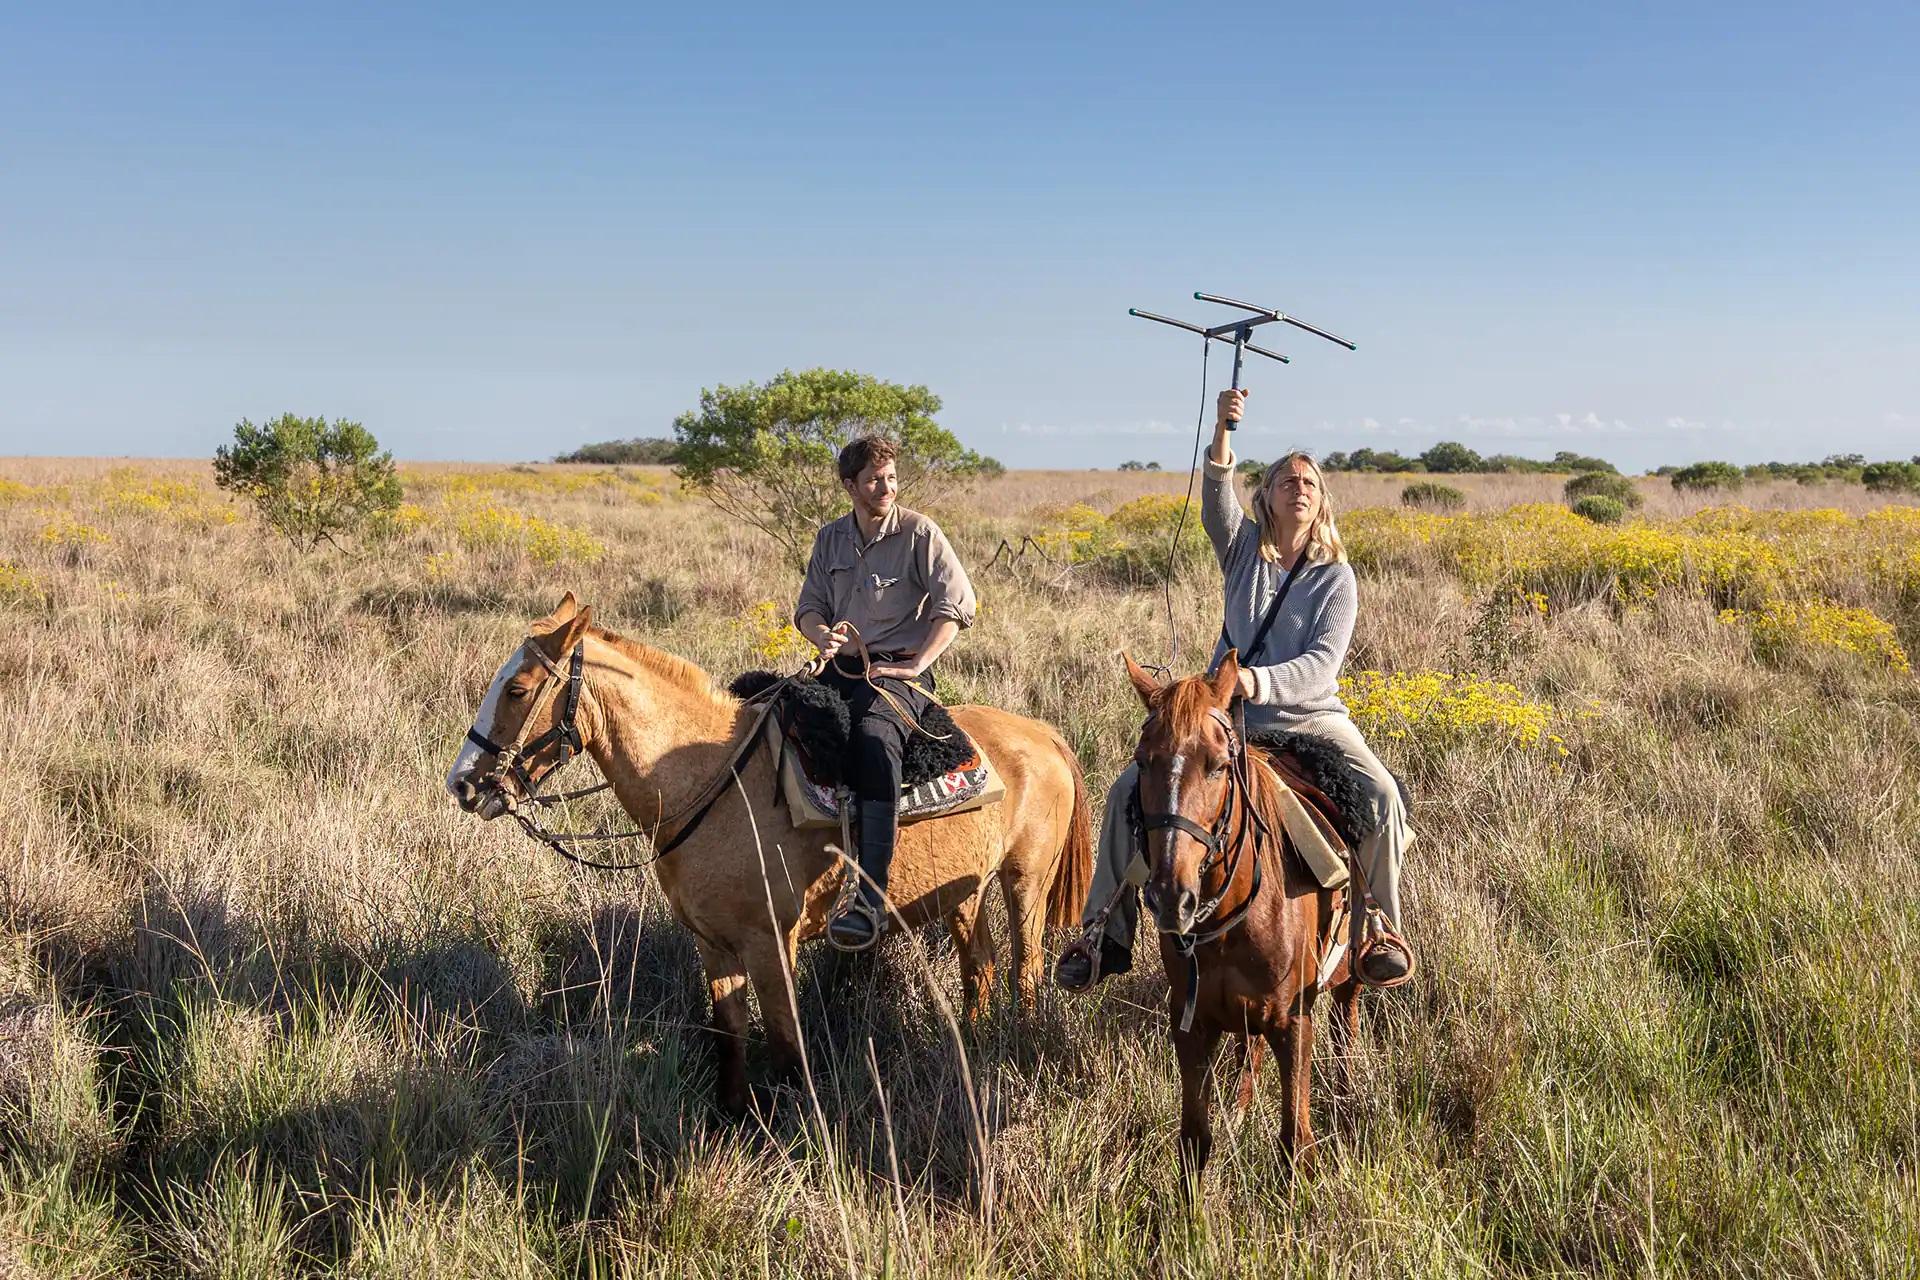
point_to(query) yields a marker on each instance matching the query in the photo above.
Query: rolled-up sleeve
(816, 591)
(949, 590)
(1220, 513)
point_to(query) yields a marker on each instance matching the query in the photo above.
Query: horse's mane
(675, 670)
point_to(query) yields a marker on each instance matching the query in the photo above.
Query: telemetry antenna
(1240, 332)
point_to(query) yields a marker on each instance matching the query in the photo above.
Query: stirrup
(1081, 946)
(876, 921)
(1375, 932)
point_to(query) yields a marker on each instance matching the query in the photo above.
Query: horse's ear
(562, 614)
(1226, 680)
(1143, 684)
(559, 641)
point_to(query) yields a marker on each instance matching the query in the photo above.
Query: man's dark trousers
(875, 747)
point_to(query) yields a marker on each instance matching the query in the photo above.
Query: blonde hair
(1323, 536)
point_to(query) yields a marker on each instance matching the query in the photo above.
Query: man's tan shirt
(893, 588)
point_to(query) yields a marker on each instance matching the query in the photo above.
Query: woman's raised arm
(1220, 513)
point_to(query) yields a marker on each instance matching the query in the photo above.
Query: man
(891, 575)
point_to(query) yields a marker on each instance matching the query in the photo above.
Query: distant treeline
(1450, 457)
(629, 453)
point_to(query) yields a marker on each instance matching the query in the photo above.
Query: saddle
(809, 731)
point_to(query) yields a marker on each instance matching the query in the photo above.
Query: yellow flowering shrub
(1071, 534)
(14, 491)
(17, 585)
(1439, 707)
(523, 482)
(438, 565)
(64, 531)
(774, 639)
(487, 527)
(1783, 627)
(129, 490)
(1130, 546)
(409, 517)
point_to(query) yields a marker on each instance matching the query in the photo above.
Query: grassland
(270, 1006)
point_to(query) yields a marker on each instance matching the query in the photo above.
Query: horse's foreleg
(770, 960)
(727, 985)
(973, 942)
(1293, 1049)
(1195, 1050)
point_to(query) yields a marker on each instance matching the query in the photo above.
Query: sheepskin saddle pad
(1317, 770)
(810, 729)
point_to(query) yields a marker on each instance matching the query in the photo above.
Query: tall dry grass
(269, 1005)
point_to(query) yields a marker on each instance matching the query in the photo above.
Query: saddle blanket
(971, 785)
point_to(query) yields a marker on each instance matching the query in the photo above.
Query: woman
(1290, 683)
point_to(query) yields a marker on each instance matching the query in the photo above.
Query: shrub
(1600, 509)
(764, 453)
(308, 480)
(1785, 627)
(1892, 477)
(1134, 464)
(1442, 708)
(1603, 484)
(1430, 495)
(1709, 475)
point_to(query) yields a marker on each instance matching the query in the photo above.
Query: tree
(1451, 456)
(1567, 460)
(765, 453)
(637, 452)
(1709, 475)
(309, 481)
(1891, 477)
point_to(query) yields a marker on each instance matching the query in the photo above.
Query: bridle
(1225, 840)
(510, 761)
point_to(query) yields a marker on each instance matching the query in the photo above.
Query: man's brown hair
(867, 451)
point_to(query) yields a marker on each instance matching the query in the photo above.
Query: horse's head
(1187, 750)
(528, 724)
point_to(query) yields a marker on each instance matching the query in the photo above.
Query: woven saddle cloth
(809, 734)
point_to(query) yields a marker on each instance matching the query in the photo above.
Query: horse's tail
(1067, 896)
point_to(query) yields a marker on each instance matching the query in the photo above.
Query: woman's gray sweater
(1297, 671)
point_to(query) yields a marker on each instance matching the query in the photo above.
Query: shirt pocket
(843, 582)
(890, 600)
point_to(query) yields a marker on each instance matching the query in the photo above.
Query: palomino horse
(736, 872)
(1242, 920)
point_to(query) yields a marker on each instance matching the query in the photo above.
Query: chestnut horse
(683, 759)
(1243, 922)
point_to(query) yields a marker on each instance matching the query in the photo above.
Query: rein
(886, 695)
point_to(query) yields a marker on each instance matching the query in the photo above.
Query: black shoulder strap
(1273, 611)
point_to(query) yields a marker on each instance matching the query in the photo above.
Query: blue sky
(1655, 232)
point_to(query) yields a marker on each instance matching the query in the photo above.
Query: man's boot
(860, 924)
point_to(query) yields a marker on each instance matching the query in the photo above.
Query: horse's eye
(513, 692)
(1217, 770)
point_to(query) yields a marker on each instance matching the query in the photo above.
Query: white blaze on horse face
(483, 721)
(1178, 771)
